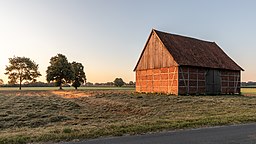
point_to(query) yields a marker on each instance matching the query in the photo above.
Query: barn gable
(154, 54)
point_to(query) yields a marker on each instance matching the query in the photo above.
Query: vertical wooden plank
(228, 80)
(184, 80)
(197, 81)
(188, 81)
(160, 60)
(152, 54)
(178, 79)
(165, 57)
(168, 88)
(237, 81)
(220, 83)
(148, 58)
(156, 56)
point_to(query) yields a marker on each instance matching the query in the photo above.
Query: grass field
(249, 91)
(49, 115)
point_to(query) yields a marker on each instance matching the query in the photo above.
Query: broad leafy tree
(119, 82)
(60, 70)
(80, 77)
(131, 83)
(22, 69)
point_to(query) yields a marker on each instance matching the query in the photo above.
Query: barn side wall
(162, 80)
(230, 81)
(191, 80)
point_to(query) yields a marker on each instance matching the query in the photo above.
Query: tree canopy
(119, 82)
(80, 77)
(60, 70)
(20, 69)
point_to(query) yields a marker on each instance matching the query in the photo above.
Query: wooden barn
(182, 65)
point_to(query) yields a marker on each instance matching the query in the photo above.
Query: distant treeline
(43, 84)
(34, 84)
(248, 84)
(131, 83)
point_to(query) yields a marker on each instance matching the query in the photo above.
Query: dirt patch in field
(26, 93)
(251, 95)
(72, 94)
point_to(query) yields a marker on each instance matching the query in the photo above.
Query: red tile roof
(194, 52)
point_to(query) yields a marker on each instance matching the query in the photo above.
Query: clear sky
(107, 36)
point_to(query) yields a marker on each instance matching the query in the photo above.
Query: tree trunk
(61, 87)
(76, 88)
(20, 84)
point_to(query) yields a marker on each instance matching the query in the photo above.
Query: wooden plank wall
(230, 81)
(191, 80)
(184, 80)
(155, 55)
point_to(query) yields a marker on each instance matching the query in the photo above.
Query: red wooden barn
(182, 65)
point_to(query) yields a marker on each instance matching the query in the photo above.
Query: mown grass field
(52, 115)
(249, 91)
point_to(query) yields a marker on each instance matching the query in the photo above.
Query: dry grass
(37, 116)
(249, 91)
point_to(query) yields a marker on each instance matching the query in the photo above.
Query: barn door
(213, 84)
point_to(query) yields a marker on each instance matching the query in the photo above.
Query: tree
(20, 69)
(109, 84)
(60, 70)
(88, 84)
(80, 77)
(119, 82)
(131, 83)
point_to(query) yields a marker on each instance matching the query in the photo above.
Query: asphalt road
(236, 134)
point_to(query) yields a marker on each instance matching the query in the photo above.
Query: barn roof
(188, 51)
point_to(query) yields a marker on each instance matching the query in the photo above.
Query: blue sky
(107, 36)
